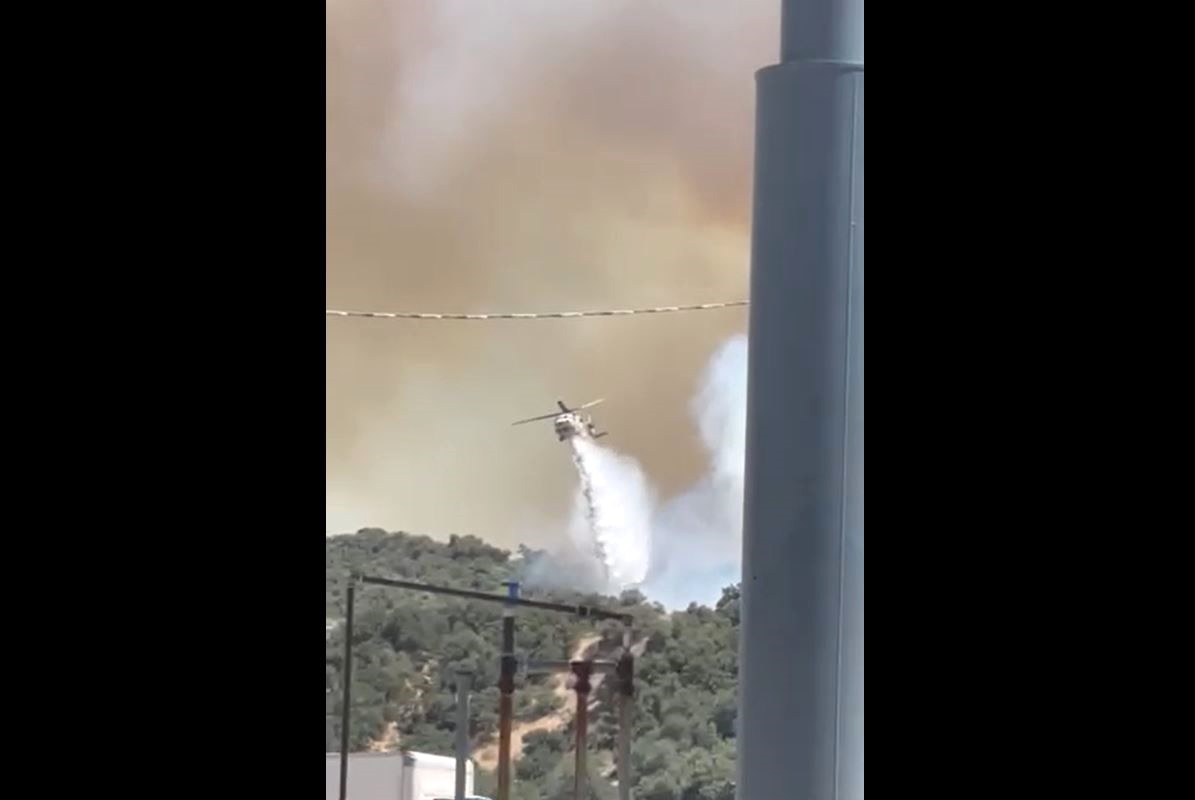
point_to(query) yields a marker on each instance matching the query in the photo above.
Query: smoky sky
(527, 155)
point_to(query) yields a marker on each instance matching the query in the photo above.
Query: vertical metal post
(801, 666)
(464, 681)
(582, 670)
(626, 697)
(346, 699)
(506, 687)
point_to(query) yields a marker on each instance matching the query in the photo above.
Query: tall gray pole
(464, 681)
(801, 671)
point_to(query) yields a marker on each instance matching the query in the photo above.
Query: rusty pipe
(581, 671)
(506, 686)
(626, 695)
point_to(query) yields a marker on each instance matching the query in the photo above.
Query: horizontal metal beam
(470, 594)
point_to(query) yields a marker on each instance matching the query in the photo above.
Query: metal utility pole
(801, 670)
(510, 601)
(464, 681)
(581, 671)
(506, 686)
(346, 699)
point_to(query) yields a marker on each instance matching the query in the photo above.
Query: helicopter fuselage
(569, 422)
(570, 425)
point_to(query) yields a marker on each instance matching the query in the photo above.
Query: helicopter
(569, 423)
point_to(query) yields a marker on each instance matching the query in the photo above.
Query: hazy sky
(527, 155)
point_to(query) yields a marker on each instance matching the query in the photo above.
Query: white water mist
(697, 536)
(612, 514)
(689, 548)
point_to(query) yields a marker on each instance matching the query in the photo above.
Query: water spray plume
(687, 549)
(682, 551)
(612, 516)
(590, 511)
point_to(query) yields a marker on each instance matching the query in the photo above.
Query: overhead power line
(620, 312)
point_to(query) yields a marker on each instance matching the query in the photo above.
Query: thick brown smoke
(527, 155)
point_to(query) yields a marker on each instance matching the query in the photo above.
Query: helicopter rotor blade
(535, 419)
(592, 403)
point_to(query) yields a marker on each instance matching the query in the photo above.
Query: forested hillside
(407, 646)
